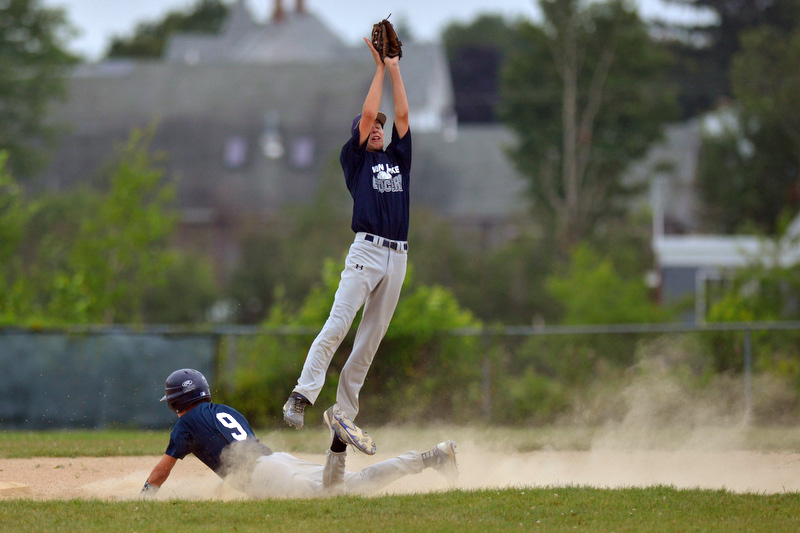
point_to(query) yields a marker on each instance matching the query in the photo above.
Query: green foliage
(590, 291)
(33, 61)
(499, 280)
(766, 80)
(765, 290)
(759, 138)
(150, 38)
(530, 398)
(411, 370)
(586, 95)
(91, 256)
(121, 251)
(188, 291)
(15, 214)
(285, 257)
(265, 368)
(705, 50)
(417, 363)
(592, 283)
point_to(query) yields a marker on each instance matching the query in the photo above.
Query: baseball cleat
(294, 409)
(347, 432)
(443, 459)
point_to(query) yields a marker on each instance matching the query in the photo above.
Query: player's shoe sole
(446, 464)
(348, 432)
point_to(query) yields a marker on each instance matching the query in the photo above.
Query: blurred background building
(251, 118)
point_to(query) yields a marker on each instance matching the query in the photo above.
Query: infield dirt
(120, 478)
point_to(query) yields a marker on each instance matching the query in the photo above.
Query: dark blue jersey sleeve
(401, 149)
(179, 442)
(352, 158)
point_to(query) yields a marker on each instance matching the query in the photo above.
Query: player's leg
(378, 311)
(333, 471)
(441, 458)
(282, 475)
(377, 476)
(358, 277)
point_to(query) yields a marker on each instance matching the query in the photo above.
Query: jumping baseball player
(222, 439)
(378, 181)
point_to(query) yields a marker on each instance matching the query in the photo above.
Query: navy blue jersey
(378, 183)
(206, 430)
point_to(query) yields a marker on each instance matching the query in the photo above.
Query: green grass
(518, 509)
(109, 443)
(546, 509)
(89, 443)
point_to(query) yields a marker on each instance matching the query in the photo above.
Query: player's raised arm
(400, 98)
(372, 103)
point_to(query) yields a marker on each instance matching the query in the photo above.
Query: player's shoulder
(222, 407)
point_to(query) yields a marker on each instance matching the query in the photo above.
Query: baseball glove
(385, 40)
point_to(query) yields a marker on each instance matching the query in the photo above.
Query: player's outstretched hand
(148, 492)
(375, 55)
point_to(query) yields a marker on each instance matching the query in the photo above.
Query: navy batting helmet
(184, 388)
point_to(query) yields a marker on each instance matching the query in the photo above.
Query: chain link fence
(108, 377)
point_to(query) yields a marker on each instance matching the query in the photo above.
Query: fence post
(748, 377)
(486, 375)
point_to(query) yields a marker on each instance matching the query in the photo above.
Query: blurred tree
(15, 213)
(33, 62)
(475, 53)
(51, 292)
(749, 173)
(286, 257)
(705, 45)
(149, 38)
(498, 282)
(122, 250)
(592, 292)
(586, 95)
(766, 82)
(188, 292)
(411, 372)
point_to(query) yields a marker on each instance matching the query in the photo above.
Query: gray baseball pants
(372, 277)
(282, 475)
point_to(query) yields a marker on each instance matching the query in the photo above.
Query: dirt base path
(121, 478)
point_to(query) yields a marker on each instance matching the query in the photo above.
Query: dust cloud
(654, 433)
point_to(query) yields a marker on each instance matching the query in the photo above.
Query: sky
(98, 21)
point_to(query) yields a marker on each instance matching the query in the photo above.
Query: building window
(302, 155)
(236, 152)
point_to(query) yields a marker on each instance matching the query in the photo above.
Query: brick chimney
(278, 14)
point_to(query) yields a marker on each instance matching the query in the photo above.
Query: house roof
(469, 177)
(715, 251)
(296, 38)
(251, 119)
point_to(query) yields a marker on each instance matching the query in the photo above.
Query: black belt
(394, 245)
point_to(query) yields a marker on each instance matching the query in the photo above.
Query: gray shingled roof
(469, 178)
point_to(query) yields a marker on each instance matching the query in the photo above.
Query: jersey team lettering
(387, 179)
